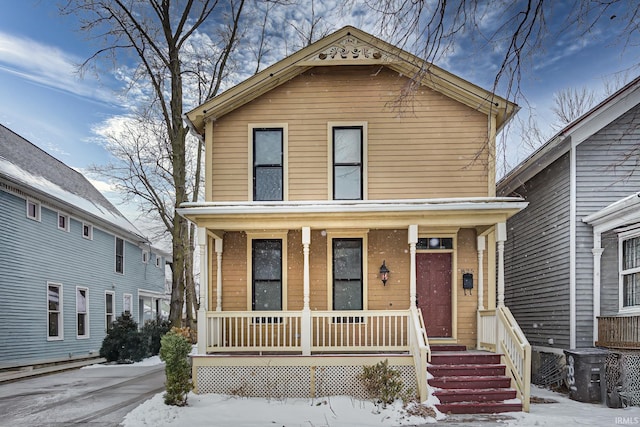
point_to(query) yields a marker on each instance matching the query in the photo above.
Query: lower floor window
(347, 274)
(82, 312)
(109, 310)
(54, 311)
(266, 274)
(631, 272)
(631, 290)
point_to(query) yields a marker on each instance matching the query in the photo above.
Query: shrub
(123, 343)
(151, 332)
(382, 382)
(174, 351)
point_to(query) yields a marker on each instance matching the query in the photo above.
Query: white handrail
(420, 350)
(516, 350)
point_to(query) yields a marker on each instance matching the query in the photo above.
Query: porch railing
(508, 339)
(621, 332)
(282, 331)
(419, 344)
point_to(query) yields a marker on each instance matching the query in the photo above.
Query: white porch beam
(218, 247)
(597, 255)
(305, 332)
(413, 240)
(481, 248)
(501, 236)
(204, 284)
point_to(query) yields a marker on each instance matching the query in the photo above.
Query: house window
(119, 255)
(63, 222)
(266, 274)
(82, 312)
(145, 257)
(158, 260)
(54, 311)
(630, 273)
(435, 243)
(347, 163)
(347, 274)
(109, 310)
(127, 303)
(87, 231)
(33, 210)
(268, 164)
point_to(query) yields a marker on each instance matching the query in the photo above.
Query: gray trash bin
(586, 374)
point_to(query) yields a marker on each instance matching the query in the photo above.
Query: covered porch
(309, 331)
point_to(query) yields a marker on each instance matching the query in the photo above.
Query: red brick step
(479, 407)
(474, 395)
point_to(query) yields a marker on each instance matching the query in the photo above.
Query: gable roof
(33, 171)
(351, 46)
(574, 133)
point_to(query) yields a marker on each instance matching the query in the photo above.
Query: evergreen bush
(382, 382)
(174, 351)
(123, 343)
(152, 332)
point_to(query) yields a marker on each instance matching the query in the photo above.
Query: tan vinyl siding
(422, 149)
(390, 246)
(467, 258)
(234, 272)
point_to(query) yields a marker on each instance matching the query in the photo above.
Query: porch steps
(468, 382)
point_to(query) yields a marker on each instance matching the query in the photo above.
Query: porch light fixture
(384, 273)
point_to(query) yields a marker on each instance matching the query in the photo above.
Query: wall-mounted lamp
(384, 273)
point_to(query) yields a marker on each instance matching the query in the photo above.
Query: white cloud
(48, 66)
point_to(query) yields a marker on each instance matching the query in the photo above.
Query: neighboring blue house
(70, 263)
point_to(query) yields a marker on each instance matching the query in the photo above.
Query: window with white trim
(630, 273)
(54, 312)
(347, 162)
(33, 210)
(87, 231)
(145, 257)
(158, 260)
(109, 309)
(127, 304)
(119, 255)
(63, 222)
(347, 274)
(82, 312)
(268, 164)
(266, 274)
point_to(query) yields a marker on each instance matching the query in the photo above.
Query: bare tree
(570, 103)
(153, 156)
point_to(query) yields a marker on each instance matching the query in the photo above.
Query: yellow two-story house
(349, 217)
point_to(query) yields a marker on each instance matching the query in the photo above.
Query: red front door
(433, 287)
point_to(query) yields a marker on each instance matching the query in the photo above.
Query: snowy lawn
(343, 411)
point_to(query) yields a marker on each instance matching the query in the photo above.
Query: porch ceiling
(467, 212)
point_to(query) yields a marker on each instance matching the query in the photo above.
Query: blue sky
(45, 101)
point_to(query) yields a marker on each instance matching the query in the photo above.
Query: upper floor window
(266, 274)
(33, 210)
(158, 260)
(54, 311)
(119, 255)
(145, 257)
(87, 231)
(347, 162)
(63, 222)
(630, 273)
(268, 164)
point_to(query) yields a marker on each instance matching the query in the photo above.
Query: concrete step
(466, 370)
(479, 407)
(474, 395)
(471, 382)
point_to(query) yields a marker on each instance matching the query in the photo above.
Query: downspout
(572, 245)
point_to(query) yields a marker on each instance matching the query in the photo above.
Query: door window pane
(267, 274)
(347, 274)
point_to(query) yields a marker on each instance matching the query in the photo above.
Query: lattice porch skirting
(291, 376)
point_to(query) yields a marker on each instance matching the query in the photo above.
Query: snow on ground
(343, 411)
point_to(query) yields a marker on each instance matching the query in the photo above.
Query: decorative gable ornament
(350, 48)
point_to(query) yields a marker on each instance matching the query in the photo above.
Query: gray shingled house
(572, 258)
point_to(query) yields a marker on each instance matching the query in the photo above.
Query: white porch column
(481, 248)
(501, 236)
(204, 297)
(413, 240)
(597, 255)
(305, 327)
(218, 243)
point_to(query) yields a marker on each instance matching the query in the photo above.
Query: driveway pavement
(95, 396)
